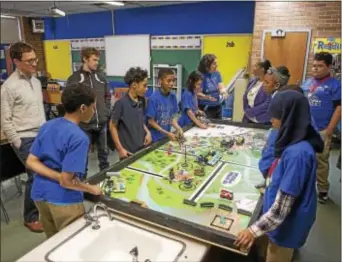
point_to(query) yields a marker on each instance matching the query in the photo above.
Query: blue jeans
(30, 210)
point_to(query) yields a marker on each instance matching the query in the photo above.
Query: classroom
(170, 131)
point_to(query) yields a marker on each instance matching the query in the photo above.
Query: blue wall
(193, 18)
(87, 25)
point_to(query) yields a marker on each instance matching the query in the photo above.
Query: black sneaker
(322, 197)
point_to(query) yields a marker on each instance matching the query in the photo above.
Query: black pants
(212, 111)
(99, 137)
(30, 210)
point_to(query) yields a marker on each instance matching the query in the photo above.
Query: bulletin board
(232, 52)
(58, 58)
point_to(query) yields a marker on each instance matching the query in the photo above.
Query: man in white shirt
(22, 114)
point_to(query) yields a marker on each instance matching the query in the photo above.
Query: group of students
(59, 148)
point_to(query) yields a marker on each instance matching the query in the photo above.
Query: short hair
(206, 62)
(165, 72)
(325, 57)
(281, 74)
(266, 64)
(292, 87)
(192, 79)
(135, 74)
(88, 52)
(17, 49)
(76, 94)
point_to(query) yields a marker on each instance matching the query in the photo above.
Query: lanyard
(314, 87)
(273, 166)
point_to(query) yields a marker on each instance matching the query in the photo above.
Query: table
(187, 189)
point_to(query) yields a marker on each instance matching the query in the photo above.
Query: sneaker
(34, 226)
(322, 197)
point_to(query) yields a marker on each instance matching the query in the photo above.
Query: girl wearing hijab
(255, 100)
(290, 197)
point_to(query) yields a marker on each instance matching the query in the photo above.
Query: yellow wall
(230, 59)
(58, 58)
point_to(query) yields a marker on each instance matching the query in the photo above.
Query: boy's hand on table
(171, 136)
(245, 239)
(148, 139)
(95, 190)
(203, 126)
(123, 153)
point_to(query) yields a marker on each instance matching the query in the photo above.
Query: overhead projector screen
(125, 51)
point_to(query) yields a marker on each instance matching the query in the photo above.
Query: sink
(116, 240)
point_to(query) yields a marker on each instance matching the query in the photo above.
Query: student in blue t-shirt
(162, 108)
(324, 95)
(290, 204)
(212, 87)
(58, 157)
(190, 103)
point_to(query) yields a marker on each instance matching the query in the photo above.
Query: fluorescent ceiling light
(57, 11)
(115, 3)
(8, 16)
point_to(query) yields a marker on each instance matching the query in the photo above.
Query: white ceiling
(41, 8)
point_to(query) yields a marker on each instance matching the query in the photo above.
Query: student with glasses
(22, 114)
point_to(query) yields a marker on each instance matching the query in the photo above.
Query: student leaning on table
(289, 209)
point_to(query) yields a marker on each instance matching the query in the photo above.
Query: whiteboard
(125, 51)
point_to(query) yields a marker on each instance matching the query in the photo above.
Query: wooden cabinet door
(289, 51)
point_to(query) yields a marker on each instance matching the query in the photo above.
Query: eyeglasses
(31, 61)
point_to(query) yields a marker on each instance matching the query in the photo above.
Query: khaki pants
(271, 252)
(54, 218)
(322, 171)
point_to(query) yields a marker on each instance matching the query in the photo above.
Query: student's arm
(113, 128)
(336, 117)
(202, 96)
(269, 221)
(157, 127)
(33, 163)
(195, 120)
(7, 125)
(74, 162)
(67, 181)
(148, 137)
(175, 110)
(107, 97)
(151, 114)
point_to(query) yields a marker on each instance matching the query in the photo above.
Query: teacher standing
(212, 87)
(255, 100)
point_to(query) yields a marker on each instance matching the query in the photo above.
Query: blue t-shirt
(161, 108)
(295, 175)
(189, 102)
(210, 87)
(321, 100)
(60, 145)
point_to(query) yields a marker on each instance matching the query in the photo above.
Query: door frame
(308, 44)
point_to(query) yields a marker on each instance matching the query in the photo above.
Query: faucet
(92, 216)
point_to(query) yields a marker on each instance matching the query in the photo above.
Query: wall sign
(79, 44)
(331, 45)
(176, 42)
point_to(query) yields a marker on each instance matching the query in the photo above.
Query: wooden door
(289, 51)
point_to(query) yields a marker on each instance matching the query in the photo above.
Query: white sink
(114, 241)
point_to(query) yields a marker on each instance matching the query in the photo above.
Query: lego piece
(207, 204)
(227, 194)
(225, 207)
(189, 202)
(244, 212)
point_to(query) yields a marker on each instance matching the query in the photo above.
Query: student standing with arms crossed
(190, 103)
(127, 125)
(290, 196)
(22, 114)
(96, 129)
(58, 157)
(162, 108)
(324, 95)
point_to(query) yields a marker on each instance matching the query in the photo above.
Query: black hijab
(293, 109)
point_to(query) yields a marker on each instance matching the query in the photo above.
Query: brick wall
(323, 18)
(35, 39)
